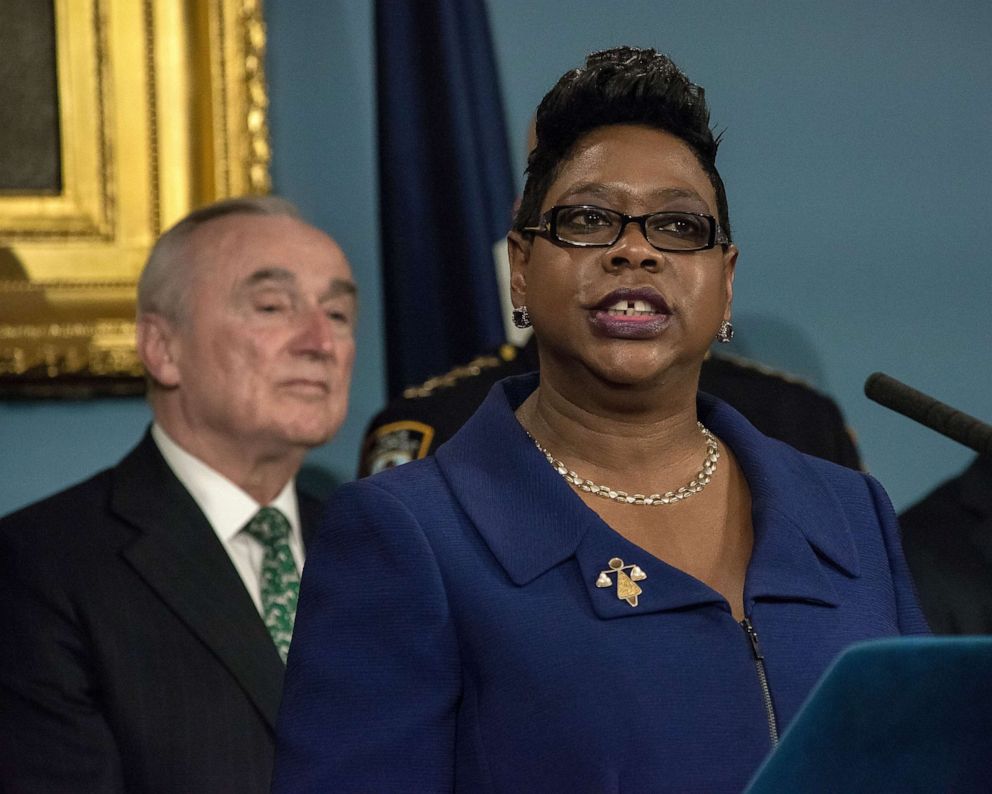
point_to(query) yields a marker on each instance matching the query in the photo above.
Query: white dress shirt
(229, 509)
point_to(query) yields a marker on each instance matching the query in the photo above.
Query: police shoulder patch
(397, 443)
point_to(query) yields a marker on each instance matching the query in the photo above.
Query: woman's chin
(633, 370)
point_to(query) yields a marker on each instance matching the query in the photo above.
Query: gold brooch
(627, 589)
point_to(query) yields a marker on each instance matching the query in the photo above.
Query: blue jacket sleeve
(373, 678)
(911, 620)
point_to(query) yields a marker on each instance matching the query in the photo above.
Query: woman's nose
(632, 249)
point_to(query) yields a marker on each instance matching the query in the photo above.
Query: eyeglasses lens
(668, 231)
(678, 231)
(588, 225)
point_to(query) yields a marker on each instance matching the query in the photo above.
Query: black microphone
(927, 411)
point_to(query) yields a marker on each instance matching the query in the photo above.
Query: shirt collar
(226, 506)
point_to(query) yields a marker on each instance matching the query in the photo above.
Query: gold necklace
(694, 486)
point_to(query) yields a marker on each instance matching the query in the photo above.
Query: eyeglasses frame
(548, 228)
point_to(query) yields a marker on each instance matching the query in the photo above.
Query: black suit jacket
(132, 658)
(947, 538)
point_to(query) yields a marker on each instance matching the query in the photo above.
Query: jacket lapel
(311, 513)
(179, 556)
(518, 503)
(532, 521)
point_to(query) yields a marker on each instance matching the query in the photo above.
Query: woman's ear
(518, 250)
(729, 269)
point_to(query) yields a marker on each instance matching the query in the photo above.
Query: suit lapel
(311, 512)
(180, 557)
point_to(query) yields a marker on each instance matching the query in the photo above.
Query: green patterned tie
(280, 579)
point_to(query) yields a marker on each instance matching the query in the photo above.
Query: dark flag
(446, 191)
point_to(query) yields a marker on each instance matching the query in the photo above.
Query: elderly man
(146, 613)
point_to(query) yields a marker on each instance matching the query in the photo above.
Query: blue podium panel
(900, 715)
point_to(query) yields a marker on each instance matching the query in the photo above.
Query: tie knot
(268, 526)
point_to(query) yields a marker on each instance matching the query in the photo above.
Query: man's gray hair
(167, 273)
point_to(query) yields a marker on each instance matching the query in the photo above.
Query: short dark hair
(623, 85)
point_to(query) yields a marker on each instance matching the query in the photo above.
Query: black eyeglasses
(588, 226)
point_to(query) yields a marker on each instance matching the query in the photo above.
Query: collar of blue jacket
(793, 534)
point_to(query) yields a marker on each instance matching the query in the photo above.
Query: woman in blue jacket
(605, 581)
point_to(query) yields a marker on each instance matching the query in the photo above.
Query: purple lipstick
(631, 313)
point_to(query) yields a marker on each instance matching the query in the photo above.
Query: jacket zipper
(759, 664)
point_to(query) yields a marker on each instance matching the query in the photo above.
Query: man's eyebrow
(339, 287)
(279, 274)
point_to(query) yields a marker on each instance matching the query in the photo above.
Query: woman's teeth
(630, 309)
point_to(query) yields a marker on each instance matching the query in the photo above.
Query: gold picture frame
(162, 107)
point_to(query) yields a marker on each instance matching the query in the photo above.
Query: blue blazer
(451, 635)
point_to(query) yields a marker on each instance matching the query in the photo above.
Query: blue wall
(858, 166)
